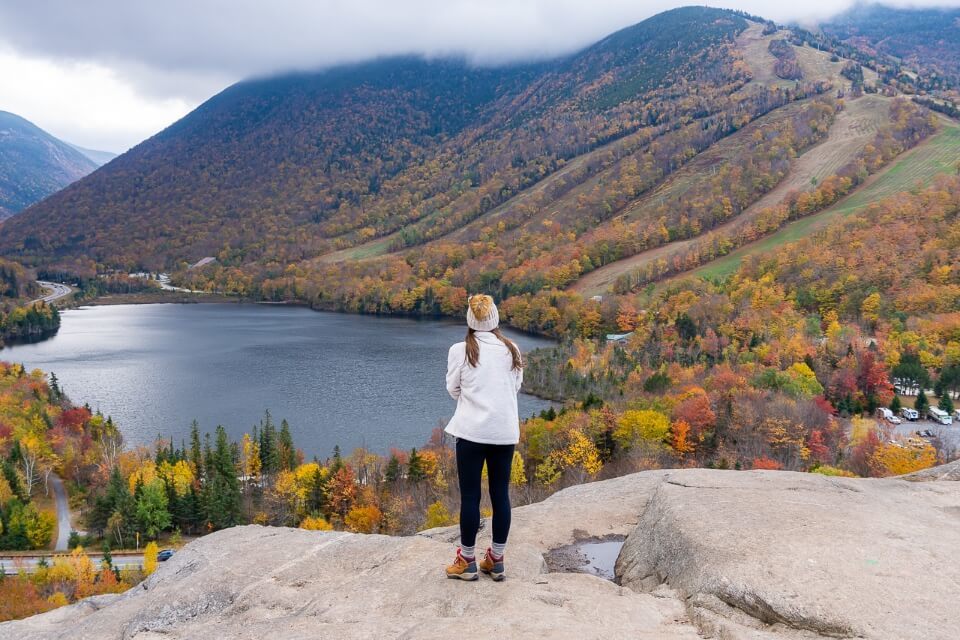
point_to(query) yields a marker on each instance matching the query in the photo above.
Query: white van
(910, 414)
(956, 415)
(886, 414)
(939, 415)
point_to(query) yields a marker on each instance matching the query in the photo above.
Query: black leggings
(470, 459)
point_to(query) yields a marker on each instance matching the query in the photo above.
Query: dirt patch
(591, 555)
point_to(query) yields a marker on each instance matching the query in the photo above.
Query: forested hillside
(397, 186)
(34, 164)
(281, 170)
(924, 39)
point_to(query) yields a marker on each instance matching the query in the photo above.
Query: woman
(483, 375)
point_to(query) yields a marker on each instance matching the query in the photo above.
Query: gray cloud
(217, 39)
(189, 49)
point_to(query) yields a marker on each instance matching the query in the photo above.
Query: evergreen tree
(192, 512)
(946, 402)
(392, 473)
(895, 404)
(317, 499)
(269, 455)
(415, 472)
(55, 393)
(337, 462)
(107, 556)
(195, 453)
(223, 497)
(114, 510)
(921, 404)
(287, 452)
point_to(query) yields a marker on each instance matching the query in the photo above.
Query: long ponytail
(473, 349)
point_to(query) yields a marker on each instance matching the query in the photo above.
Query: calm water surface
(338, 379)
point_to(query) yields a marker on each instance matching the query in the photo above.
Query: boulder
(772, 554)
(721, 554)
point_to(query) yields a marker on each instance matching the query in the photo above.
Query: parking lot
(948, 435)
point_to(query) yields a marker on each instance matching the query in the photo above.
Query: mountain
(34, 164)
(396, 185)
(290, 168)
(99, 157)
(926, 39)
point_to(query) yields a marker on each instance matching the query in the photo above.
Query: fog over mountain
(129, 69)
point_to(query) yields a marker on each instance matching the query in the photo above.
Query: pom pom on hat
(482, 314)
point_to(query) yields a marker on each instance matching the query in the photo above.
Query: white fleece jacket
(486, 395)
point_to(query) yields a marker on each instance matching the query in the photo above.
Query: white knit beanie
(482, 314)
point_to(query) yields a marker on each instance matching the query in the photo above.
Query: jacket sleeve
(454, 364)
(518, 378)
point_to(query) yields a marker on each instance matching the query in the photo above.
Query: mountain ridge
(34, 164)
(329, 173)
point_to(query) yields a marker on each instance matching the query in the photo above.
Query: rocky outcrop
(719, 554)
(770, 555)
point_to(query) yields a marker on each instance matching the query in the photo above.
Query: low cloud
(186, 50)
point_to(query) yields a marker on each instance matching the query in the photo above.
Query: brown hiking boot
(491, 567)
(462, 568)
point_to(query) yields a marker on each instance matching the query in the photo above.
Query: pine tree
(415, 472)
(946, 402)
(317, 500)
(195, 453)
(392, 473)
(337, 462)
(223, 498)
(895, 404)
(269, 453)
(55, 393)
(921, 404)
(287, 452)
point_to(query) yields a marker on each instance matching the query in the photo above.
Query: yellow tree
(150, 557)
(580, 456)
(438, 516)
(518, 475)
(251, 458)
(363, 519)
(641, 426)
(892, 459)
(315, 523)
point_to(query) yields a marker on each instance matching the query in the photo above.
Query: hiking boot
(491, 567)
(462, 569)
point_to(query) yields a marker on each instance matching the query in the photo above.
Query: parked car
(910, 414)
(956, 415)
(939, 415)
(886, 414)
(165, 555)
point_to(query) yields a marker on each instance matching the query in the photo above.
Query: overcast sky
(106, 74)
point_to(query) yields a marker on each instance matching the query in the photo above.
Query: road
(13, 564)
(56, 290)
(63, 513)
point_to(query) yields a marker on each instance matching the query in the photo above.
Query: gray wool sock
(497, 549)
(468, 553)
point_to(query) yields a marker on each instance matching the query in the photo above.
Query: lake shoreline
(338, 378)
(176, 297)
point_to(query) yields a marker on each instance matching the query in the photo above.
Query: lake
(338, 379)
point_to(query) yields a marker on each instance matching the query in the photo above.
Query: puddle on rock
(596, 556)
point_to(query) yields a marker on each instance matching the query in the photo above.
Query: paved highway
(56, 290)
(12, 565)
